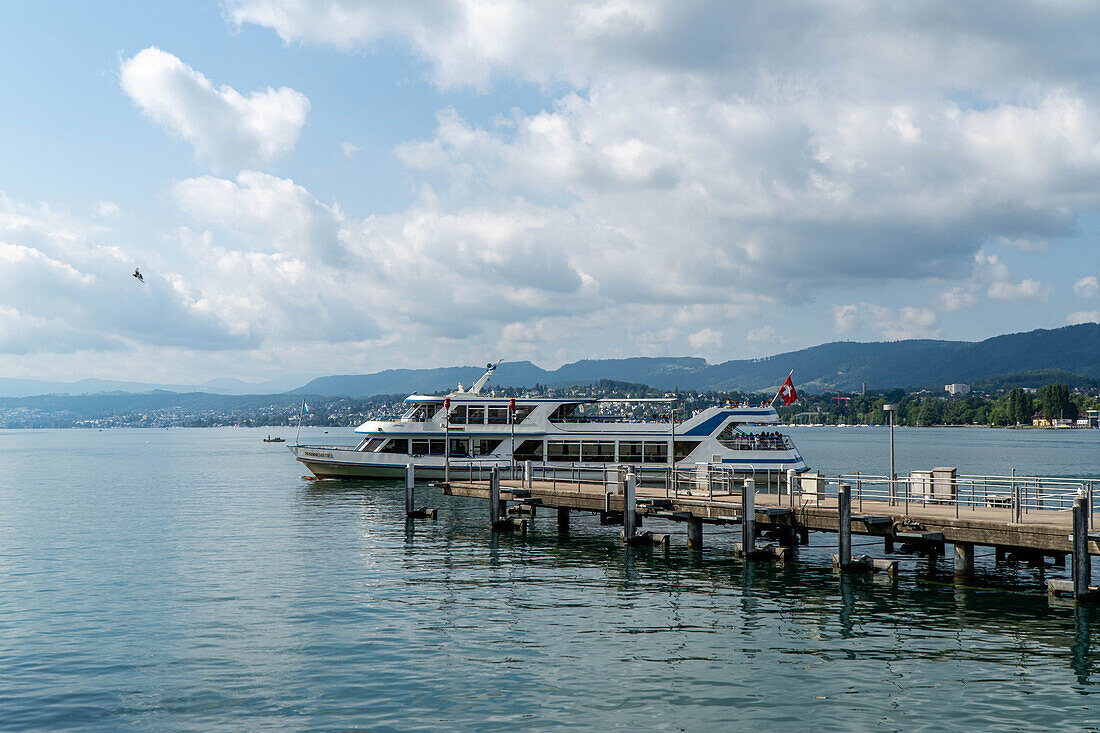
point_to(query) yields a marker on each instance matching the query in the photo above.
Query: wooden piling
(563, 520)
(844, 521)
(1082, 566)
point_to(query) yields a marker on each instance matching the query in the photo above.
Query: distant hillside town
(1051, 405)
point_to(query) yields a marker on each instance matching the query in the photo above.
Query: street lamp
(890, 410)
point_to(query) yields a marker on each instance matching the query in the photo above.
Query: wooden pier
(1049, 523)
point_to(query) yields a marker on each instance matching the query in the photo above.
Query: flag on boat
(787, 391)
(305, 407)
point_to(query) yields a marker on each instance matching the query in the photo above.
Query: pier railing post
(410, 483)
(1082, 566)
(790, 486)
(528, 480)
(494, 496)
(844, 523)
(1090, 505)
(629, 506)
(748, 516)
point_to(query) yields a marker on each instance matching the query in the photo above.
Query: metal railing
(1020, 498)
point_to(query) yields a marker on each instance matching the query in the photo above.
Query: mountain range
(1075, 350)
(1071, 351)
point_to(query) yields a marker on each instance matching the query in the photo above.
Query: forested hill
(844, 364)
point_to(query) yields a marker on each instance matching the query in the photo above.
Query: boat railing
(748, 442)
(710, 480)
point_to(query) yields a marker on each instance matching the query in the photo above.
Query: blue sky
(349, 186)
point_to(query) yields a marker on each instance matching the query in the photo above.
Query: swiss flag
(787, 392)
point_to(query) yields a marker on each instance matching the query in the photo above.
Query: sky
(348, 186)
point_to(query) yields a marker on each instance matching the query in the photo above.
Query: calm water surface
(191, 580)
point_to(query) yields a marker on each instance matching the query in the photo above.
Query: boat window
(425, 412)
(485, 446)
(563, 413)
(684, 448)
(559, 451)
(458, 415)
(529, 450)
(370, 445)
(427, 447)
(396, 445)
(460, 447)
(475, 414)
(630, 451)
(603, 452)
(498, 415)
(523, 411)
(656, 452)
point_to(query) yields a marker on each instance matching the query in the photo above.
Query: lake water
(192, 580)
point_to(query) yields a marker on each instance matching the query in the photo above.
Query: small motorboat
(269, 439)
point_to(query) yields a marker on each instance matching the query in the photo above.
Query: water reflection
(1082, 660)
(999, 616)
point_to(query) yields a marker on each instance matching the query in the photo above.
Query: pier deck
(1044, 531)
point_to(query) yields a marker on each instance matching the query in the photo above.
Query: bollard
(494, 496)
(629, 506)
(1082, 566)
(527, 480)
(748, 516)
(410, 482)
(790, 485)
(844, 519)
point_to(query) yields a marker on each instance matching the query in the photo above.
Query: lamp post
(446, 440)
(512, 424)
(890, 410)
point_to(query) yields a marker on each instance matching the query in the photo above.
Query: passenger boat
(466, 431)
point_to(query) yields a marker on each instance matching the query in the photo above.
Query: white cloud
(765, 334)
(108, 210)
(349, 149)
(691, 161)
(224, 126)
(690, 146)
(1083, 317)
(847, 45)
(62, 291)
(990, 275)
(706, 339)
(268, 213)
(1087, 287)
(890, 323)
(1022, 292)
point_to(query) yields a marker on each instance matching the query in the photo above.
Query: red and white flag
(787, 391)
